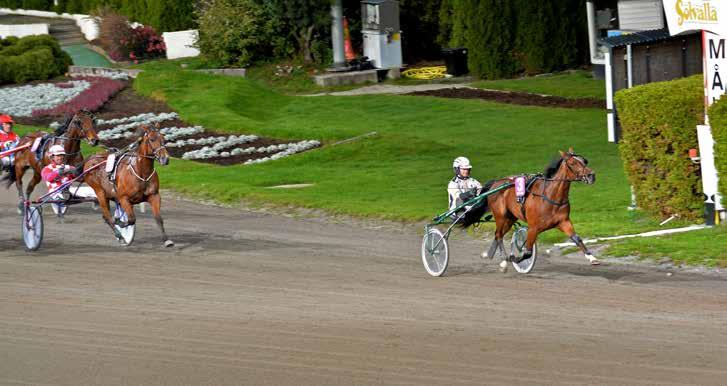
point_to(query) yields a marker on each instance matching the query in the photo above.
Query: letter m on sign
(716, 51)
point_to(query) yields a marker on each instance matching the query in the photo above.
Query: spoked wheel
(127, 232)
(32, 227)
(517, 249)
(435, 252)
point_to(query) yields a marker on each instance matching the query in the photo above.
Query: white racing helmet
(461, 163)
(57, 150)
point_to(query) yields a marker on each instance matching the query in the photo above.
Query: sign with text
(695, 15)
(715, 66)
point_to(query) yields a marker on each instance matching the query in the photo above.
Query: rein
(546, 180)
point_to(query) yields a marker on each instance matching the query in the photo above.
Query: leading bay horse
(134, 180)
(80, 126)
(546, 206)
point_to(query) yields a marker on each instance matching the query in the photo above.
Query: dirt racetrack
(250, 299)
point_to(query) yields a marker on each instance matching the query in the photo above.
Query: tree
(301, 19)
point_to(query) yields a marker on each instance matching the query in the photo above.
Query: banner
(695, 15)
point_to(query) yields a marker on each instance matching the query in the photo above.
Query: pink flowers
(91, 99)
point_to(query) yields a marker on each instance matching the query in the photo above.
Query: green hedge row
(718, 121)
(163, 15)
(505, 38)
(31, 58)
(658, 123)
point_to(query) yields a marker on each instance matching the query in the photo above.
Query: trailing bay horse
(546, 205)
(78, 127)
(134, 180)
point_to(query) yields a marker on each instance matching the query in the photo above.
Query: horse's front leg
(33, 183)
(567, 227)
(103, 202)
(155, 200)
(19, 172)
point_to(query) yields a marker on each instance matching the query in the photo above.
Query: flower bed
(196, 143)
(22, 101)
(101, 89)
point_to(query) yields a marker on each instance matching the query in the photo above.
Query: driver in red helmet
(8, 140)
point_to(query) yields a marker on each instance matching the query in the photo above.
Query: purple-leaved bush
(91, 99)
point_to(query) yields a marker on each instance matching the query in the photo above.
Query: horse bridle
(546, 180)
(154, 156)
(75, 121)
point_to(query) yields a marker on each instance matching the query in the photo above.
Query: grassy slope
(574, 84)
(401, 173)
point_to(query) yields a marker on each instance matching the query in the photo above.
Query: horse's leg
(155, 200)
(19, 173)
(129, 209)
(103, 202)
(504, 223)
(567, 227)
(33, 182)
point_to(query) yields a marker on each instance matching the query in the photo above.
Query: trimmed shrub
(31, 58)
(718, 121)
(658, 123)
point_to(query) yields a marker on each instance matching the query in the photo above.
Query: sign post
(709, 16)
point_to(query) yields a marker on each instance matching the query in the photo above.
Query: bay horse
(78, 127)
(134, 180)
(546, 206)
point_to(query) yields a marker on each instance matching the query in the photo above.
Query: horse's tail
(9, 178)
(475, 213)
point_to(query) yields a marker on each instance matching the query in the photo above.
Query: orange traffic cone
(347, 48)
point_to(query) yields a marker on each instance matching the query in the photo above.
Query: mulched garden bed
(512, 97)
(128, 103)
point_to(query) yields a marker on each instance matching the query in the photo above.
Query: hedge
(718, 121)
(31, 58)
(658, 123)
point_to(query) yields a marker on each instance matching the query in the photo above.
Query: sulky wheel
(435, 252)
(32, 227)
(127, 232)
(517, 248)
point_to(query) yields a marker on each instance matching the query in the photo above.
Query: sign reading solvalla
(694, 15)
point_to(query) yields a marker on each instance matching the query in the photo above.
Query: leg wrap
(579, 242)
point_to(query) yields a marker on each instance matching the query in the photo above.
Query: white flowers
(281, 150)
(213, 146)
(22, 101)
(122, 130)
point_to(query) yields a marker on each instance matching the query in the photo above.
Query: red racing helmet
(4, 118)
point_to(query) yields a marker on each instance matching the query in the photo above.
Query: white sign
(709, 171)
(695, 15)
(180, 44)
(715, 66)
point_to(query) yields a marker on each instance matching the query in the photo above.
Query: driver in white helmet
(57, 173)
(462, 187)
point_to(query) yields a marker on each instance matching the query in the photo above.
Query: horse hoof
(168, 243)
(484, 255)
(503, 266)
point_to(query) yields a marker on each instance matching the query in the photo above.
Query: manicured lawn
(572, 84)
(401, 173)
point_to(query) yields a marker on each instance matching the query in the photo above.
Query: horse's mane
(552, 167)
(60, 130)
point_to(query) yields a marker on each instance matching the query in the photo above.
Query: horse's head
(577, 167)
(83, 126)
(151, 144)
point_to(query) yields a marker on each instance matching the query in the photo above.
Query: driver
(56, 173)
(462, 187)
(8, 140)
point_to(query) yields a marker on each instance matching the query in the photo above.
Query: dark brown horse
(80, 126)
(134, 181)
(546, 205)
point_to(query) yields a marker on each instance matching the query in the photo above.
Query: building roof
(640, 37)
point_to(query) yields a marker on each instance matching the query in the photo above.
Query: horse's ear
(562, 154)
(570, 150)
(157, 125)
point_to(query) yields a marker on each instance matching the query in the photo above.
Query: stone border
(101, 71)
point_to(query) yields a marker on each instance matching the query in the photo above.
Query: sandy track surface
(249, 298)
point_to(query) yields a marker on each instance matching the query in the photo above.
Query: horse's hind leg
(103, 202)
(504, 223)
(155, 201)
(19, 173)
(33, 183)
(567, 227)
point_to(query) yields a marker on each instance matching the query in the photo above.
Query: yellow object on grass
(425, 72)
